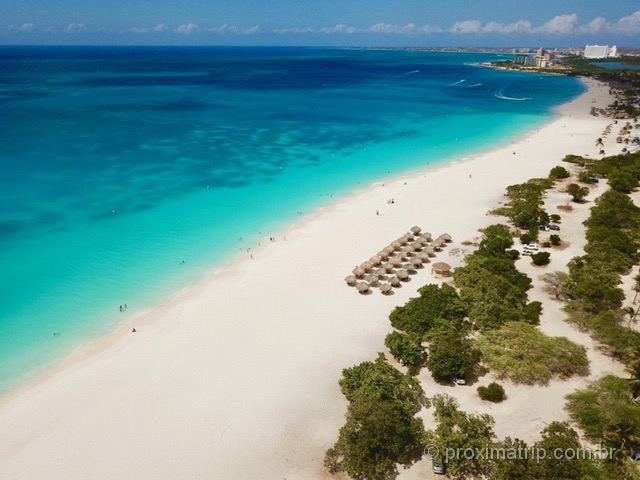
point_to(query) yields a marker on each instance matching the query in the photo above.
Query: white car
(530, 246)
(460, 381)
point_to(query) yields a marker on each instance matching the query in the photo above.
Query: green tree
(555, 239)
(380, 380)
(514, 466)
(577, 192)
(436, 308)
(457, 430)
(381, 430)
(541, 258)
(376, 437)
(622, 180)
(494, 392)
(594, 285)
(606, 411)
(407, 349)
(559, 437)
(452, 355)
(559, 172)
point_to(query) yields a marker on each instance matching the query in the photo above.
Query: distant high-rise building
(600, 51)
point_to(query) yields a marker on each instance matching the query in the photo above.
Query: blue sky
(534, 23)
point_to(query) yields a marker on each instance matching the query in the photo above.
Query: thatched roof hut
(440, 269)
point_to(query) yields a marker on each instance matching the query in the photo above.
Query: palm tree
(636, 286)
(599, 142)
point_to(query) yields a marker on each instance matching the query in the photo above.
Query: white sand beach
(237, 378)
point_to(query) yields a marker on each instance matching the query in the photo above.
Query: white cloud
(76, 28)
(222, 29)
(26, 27)
(138, 30)
(627, 25)
(403, 29)
(597, 25)
(161, 27)
(521, 26)
(467, 26)
(339, 28)
(562, 24)
(186, 28)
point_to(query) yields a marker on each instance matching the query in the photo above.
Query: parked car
(543, 228)
(438, 466)
(594, 180)
(531, 246)
(554, 227)
(459, 381)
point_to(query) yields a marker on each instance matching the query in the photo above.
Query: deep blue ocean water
(128, 173)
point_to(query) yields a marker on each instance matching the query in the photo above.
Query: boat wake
(504, 97)
(474, 85)
(412, 72)
(456, 83)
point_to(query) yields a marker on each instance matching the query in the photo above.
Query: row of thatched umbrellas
(400, 257)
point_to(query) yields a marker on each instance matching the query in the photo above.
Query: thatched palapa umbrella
(416, 262)
(406, 251)
(390, 249)
(375, 260)
(379, 272)
(403, 275)
(371, 278)
(385, 288)
(429, 251)
(426, 236)
(408, 237)
(416, 230)
(395, 261)
(362, 287)
(416, 246)
(446, 237)
(351, 280)
(358, 272)
(366, 266)
(424, 256)
(394, 282)
(402, 241)
(383, 255)
(388, 266)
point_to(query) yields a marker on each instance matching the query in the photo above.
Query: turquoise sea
(127, 174)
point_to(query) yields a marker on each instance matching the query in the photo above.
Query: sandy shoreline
(236, 378)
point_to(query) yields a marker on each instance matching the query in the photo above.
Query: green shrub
(526, 238)
(559, 172)
(522, 353)
(546, 244)
(577, 192)
(513, 254)
(492, 393)
(452, 355)
(584, 177)
(555, 239)
(555, 218)
(540, 258)
(406, 349)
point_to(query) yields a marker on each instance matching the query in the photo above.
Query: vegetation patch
(381, 429)
(494, 392)
(607, 412)
(522, 353)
